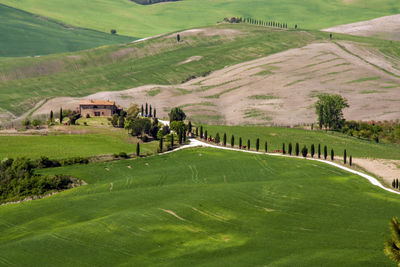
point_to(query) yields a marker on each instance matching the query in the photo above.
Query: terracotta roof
(97, 102)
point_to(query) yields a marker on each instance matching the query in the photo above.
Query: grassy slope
(276, 136)
(238, 210)
(95, 141)
(138, 20)
(120, 67)
(25, 81)
(24, 34)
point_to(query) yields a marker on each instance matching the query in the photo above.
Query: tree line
(259, 22)
(318, 151)
(18, 180)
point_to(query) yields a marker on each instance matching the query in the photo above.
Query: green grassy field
(203, 207)
(92, 142)
(24, 82)
(139, 20)
(25, 34)
(276, 136)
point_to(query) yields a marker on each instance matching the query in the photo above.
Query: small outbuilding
(97, 108)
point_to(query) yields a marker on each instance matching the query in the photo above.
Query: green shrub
(36, 123)
(123, 155)
(26, 122)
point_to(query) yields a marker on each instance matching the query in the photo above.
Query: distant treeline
(150, 2)
(388, 131)
(282, 25)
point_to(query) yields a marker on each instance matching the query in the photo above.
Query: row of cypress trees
(148, 111)
(266, 23)
(290, 151)
(304, 152)
(395, 183)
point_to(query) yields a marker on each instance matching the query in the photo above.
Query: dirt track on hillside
(275, 90)
(387, 27)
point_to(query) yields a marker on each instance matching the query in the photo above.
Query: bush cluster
(375, 131)
(18, 180)
(45, 162)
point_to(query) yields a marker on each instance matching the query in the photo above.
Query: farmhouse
(96, 108)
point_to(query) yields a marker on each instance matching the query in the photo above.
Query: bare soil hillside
(387, 27)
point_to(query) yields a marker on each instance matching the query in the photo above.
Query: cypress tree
(147, 110)
(155, 113)
(266, 147)
(394, 183)
(290, 149)
(190, 127)
(61, 115)
(138, 149)
(283, 149)
(397, 183)
(325, 152)
(184, 136)
(345, 156)
(161, 144)
(248, 144)
(319, 151)
(258, 144)
(312, 150)
(304, 151)
(232, 141)
(224, 139)
(332, 155)
(240, 143)
(351, 160)
(151, 112)
(197, 131)
(201, 132)
(297, 149)
(142, 110)
(217, 138)
(172, 140)
(180, 136)
(51, 116)
(205, 135)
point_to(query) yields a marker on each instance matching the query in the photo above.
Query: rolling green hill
(133, 19)
(25, 34)
(119, 67)
(96, 138)
(203, 207)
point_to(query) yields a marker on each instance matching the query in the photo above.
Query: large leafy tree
(178, 126)
(329, 109)
(138, 126)
(133, 110)
(177, 114)
(392, 244)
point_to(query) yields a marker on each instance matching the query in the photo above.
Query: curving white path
(372, 180)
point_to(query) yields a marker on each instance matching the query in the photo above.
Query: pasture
(25, 34)
(82, 142)
(278, 135)
(121, 67)
(214, 66)
(129, 18)
(203, 207)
